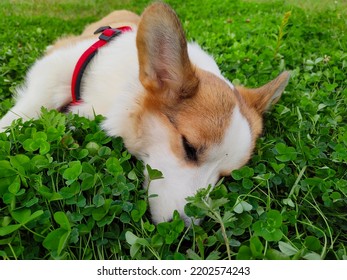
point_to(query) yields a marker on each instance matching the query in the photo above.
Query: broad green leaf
(113, 166)
(154, 174)
(127, 206)
(9, 199)
(83, 229)
(18, 161)
(236, 174)
(269, 228)
(61, 218)
(4, 183)
(88, 182)
(256, 247)
(45, 147)
(287, 249)
(130, 237)
(312, 256)
(274, 218)
(63, 240)
(15, 185)
(104, 151)
(285, 153)
(80, 154)
(98, 200)
(88, 168)
(244, 253)
(277, 167)
(179, 256)
(39, 162)
(125, 218)
(8, 229)
(73, 171)
(40, 136)
(241, 206)
(81, 201)
(238, 208)
(35, 215)
(141, 205)
(271, 234)
(21, 216)
(6, 170)
(52, 239)
(132, 175)
(243, 172)
(289, 202)
(107, 220)
(5, 147)
(143, 242)
(244, 220)
(135, 215)
(68, 192)
(56, 240)
(247, 183)
(246, 206)
(312, 243)
(281, 148)
(92, 148)
(31, 145)
(134, 249)
(31, 202)
(99, 213)
(273, 254)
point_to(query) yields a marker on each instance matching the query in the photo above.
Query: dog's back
(114, 20)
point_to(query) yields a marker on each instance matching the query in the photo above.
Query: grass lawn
(76, 194)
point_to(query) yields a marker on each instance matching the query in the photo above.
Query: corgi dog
(165, 97)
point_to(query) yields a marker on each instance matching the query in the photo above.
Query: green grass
(76, 193)
(340, 7)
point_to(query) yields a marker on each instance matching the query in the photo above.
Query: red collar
(107, 35)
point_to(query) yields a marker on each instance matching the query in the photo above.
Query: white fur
(111, 87)
(204, 61)
(179, 181)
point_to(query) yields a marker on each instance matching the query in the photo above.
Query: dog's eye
(191, 151)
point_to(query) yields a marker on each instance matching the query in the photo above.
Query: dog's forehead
(205, 117)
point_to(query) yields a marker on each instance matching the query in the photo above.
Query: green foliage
(281, 32)
(68, 191)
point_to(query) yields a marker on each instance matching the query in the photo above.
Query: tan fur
(262, 98)
(254, 102)
(114, 19)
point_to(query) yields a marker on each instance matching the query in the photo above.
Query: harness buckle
(107, 33)
(101, 29)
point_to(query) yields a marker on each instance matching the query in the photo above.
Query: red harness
(107, 35)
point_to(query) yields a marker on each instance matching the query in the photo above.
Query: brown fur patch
(254, 102)
(202, 118)
(262, 98)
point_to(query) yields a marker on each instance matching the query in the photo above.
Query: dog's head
(195, 126)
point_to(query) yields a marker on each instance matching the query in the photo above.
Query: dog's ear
(262, 98)
(163, 55)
